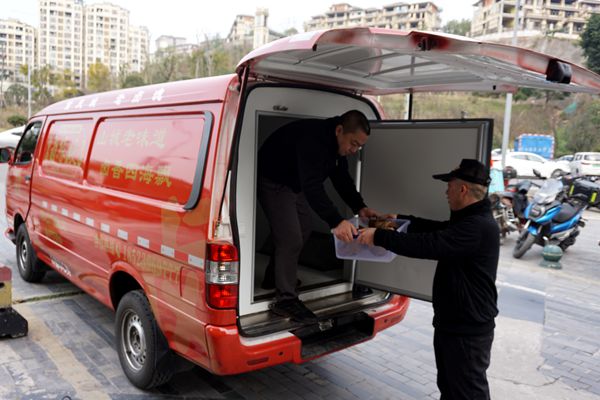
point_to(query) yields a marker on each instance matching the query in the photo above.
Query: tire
(30, 267)
(143, 350)
(556, 173)
(524, 243)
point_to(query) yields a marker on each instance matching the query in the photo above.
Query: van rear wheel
(30, 267)
(143, 350)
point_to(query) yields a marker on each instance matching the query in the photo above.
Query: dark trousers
(461, 363)
(290, 221)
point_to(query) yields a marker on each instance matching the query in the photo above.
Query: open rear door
(398, 163)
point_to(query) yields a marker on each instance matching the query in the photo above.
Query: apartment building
(561, 18)
(403, 16)
(106, 36)
(73, 36)
(60, 41)
(138, 44)
(17, 48)
(252, 30)
(165, 41)
(241, 29)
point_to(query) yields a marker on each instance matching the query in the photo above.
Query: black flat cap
(470, 171)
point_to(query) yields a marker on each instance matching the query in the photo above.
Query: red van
(146, 197)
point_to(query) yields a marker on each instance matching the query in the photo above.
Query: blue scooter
(552, 217)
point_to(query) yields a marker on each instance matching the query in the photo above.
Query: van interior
(326, 281)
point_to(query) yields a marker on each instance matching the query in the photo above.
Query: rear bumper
(230, 353)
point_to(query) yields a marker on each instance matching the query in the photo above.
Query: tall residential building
(242, 29)
(17, 48)
(561, 18)
(73, 36)
(138, 47)
(261, 28)
(404, 16)
(106, 36)
(60, 43)
(252, 30)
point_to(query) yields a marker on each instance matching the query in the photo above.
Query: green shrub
(16, 120)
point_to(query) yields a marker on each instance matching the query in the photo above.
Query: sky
(195, 19)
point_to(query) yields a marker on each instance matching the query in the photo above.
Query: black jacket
(467, 249)
(301, 155)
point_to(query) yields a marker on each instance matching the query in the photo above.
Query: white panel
(398, 163)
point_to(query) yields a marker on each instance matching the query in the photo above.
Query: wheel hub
(133, 340)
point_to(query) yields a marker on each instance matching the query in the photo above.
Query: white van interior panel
(267, 108)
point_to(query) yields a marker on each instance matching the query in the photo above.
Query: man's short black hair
(354, 120)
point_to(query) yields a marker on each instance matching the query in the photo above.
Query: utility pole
(508, 105)
(29, 86)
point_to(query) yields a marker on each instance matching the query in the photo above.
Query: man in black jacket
(464, 289)
(293, 163)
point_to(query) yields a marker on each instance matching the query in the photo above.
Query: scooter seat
(566, 213)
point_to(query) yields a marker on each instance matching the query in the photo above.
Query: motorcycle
(552, 217)
(586, 186)
(504, 216)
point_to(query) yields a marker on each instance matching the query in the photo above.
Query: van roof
(212, 89)
(380, 61)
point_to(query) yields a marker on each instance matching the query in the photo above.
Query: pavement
(547, 344)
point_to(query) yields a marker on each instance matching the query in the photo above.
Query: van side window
(65, 149)
(24, 153)
(154, 157)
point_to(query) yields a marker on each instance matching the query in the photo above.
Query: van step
(326, 309)
(344, 331)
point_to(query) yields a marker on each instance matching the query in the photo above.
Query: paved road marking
(69, 368)
(523, 288)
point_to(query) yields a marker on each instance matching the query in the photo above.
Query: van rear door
(396, 177)
(381, 61)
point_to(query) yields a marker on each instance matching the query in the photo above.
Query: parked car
(11, 137)
(587, 163)
(568, 158)
(524, 163)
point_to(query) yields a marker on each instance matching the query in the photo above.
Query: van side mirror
(5, 155)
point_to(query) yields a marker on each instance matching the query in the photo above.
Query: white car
(586, 164)
(11, 137)
(524, 163)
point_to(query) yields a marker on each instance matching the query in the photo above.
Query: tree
(98, 79)
(290, 32)
(16, 120)
(590, 43)
(456, 27)
(134, 79)
(16, 95)
(582, 130)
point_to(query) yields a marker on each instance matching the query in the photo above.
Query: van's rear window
(154, 157)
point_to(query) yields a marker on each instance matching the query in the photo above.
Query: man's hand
(345, 231)
(367, 212)
(366, 236)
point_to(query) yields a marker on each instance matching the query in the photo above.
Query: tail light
(222, 275)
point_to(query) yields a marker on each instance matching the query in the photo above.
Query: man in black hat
(464, 290)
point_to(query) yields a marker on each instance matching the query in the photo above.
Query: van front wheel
(143, 350)
(30, 267)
